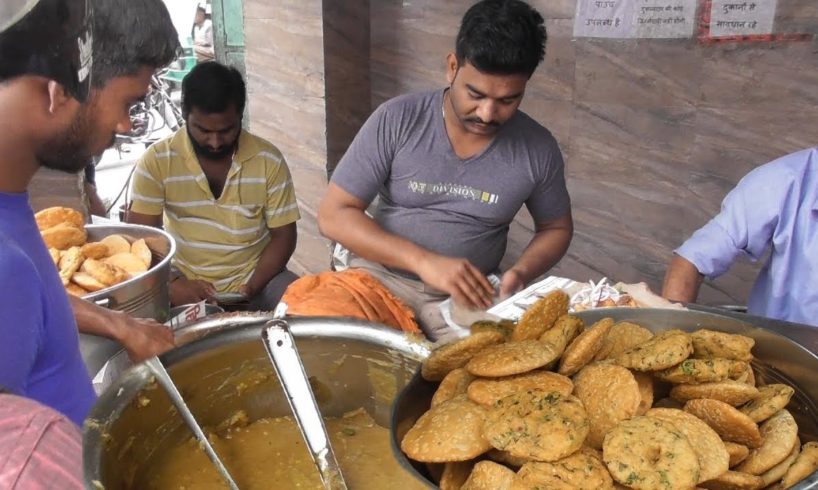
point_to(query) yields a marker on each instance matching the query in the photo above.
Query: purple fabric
(775, 208)
(454, 207)
(39, 343)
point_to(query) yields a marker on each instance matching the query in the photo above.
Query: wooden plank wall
(655, 132)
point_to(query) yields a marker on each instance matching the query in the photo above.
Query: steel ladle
(281, 348)
(164, 380)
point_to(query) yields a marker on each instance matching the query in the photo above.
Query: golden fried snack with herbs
(582, 349)
(645, 382)
(141, 250)
(488, 475)
(455, 383)
(456, 354)
(511, 358)
(542, 426)
(541, 316)
(804, 465)
(51, 217)
(731, 392)
(661, 352)
(75, 290)
(621, 337)
(565, 329)
(777, 472)
(579, 471)
(771, 399)
(712, 455)
(649, 453)
(734, 480)
(55, 256)
(610, 395)
(708, 344)
(748, 376)
(105, 273)
(455, 475)
(87, 282)
(116, 244)
(486, 391)
(506, 458)
(697, 371)
(730, 424)
(737, 452)
(128, 262)
(95, 250)
(70, 262)
(779, 436)
(504, 327)
(63, 236)
(448, 432)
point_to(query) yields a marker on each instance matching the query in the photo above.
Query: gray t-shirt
(454, 207)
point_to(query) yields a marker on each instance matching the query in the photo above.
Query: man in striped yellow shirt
(225, 195)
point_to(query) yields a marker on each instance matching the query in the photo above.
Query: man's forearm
(364, 237)
(682, 281)
(94, 320)
(543, 252)
(274, 257)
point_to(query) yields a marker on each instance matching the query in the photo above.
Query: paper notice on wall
(630, 19)
(664, 18)
(603, 18)
(741, 18)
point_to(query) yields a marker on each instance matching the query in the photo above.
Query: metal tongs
(281, 348)
(164, 380)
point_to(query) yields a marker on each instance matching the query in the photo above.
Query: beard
(209, 153)
(68, 151)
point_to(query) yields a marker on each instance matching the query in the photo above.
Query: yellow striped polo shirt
(218, 240)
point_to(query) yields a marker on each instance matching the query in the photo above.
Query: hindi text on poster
(741, 18)
(635, 18)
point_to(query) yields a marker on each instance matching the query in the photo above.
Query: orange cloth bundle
(352, 293)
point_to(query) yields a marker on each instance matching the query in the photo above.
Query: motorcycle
(150, 116)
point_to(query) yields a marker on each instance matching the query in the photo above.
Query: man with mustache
(452, 168)
(61, 103)
(226, 197)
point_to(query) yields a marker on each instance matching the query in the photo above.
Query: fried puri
(51, 217)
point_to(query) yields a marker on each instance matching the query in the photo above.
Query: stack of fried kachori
(550, 404)
(86, 267)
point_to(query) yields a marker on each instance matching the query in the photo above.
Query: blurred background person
(202, 34)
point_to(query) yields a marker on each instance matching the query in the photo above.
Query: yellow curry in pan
(270, 453)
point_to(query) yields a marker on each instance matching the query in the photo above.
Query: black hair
(504, 37)
(51, 39)
(130, 35)
(212, 87)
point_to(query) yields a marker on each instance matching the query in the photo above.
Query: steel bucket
(147, 295)
(354, 364)
(778, 359)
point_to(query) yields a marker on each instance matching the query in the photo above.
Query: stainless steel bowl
(778, 359)
(147, 295)
(352, 364)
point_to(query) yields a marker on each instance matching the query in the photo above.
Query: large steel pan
(778, 359)
(352, 364)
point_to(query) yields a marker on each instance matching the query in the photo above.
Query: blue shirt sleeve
(745, 225)
(21, 319)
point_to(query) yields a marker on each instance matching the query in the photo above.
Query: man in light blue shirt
(775, 206)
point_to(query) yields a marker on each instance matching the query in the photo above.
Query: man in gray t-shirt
(451, 169)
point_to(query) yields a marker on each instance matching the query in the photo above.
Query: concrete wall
(655, 132)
